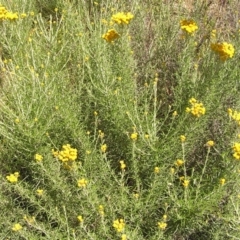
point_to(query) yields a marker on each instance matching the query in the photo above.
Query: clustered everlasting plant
(117, 121)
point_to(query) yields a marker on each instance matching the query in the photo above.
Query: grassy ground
(131, 138)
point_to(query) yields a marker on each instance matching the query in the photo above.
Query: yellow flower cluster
(224, 50)
(13, 178)
(66, 154)
(38, 157)
(179, 162)
(111, 35)
(197, 109)
(119, 18)
(134, 136)
(183, 138)
(235, 115)
(6, 15)
(222, 181)
(210, 143)
(122, 18)
(162, 225)
(80, 218)
(103, 148)
(236, 150)
(101, 210)
(82, 183)
(122, 165)
(119, 225)
(188, 26)
(17, 227)
(157, 170)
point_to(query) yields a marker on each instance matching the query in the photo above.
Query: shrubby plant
(119, 120)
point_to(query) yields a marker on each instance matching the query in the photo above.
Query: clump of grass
(118, 121)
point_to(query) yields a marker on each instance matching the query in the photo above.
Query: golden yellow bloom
(172, 170)
(134, 136)
(188, 26)
(82, 183)
(185, 183)
(119, 225)
(156, 170)
(39, 192)
(101, 210)
(183, 138)
(122, 165)
(179, 162)
(17, 120)
(162, 225)
(136, 195)
(101, 134)
(124, 237)
(11, 16)
(38, 157)
(13, 178)
(111, 35)
(122, 18)
(235, 115)
(175, 114)
(236, 149)
(222, 181)
(104, 148)
(197, 109)
(16, 227)
(210, 143)
(224, 50)
(80, 218)
(67, 153)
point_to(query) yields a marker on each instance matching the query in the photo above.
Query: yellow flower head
(197, 109)
(210, 143)
(162, 225)
(172, 170)
(111, 35)
(13, 178)
(82, 183)
(122, 165)
(156, 170)
(80, 218)
(236, 150)
(188, 26)
(185, 183)
(39, 192)
(11, 16)
(119, 225)
(16, 227)
(224, 50)
(104, 148)
(124, 237)
(134, 136)
(183, 138)
(122, 18)
(222, 181)
(179, 162)
(38, 157)
(3, 12)
(66, 154)
(101, 210)
(174, 114)
(235, 115)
